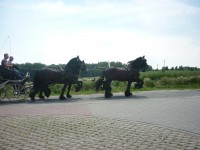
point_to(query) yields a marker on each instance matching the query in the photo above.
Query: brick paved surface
(147, 120)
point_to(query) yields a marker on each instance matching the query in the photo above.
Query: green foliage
(149, 83)
(88, 86)
(116, 64)
(118, 86)
(171, 79)
(156, 75)
(56, 89)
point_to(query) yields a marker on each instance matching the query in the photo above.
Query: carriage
(12, 89)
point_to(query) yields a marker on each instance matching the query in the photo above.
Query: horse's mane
(137, 64)
(73, 66)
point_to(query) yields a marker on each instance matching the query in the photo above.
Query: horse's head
(75, 65)
(139, 64)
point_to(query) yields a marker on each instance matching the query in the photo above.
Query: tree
(116, 64)
(149, 68)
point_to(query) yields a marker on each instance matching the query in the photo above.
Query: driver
(4, 61)
(9, 66)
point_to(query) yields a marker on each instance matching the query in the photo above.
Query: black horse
(45, 77)
(129, 73)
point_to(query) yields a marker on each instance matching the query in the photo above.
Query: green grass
(172, 79)
(156, 75)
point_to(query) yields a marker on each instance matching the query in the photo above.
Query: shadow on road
(6, 102)
(122, 97)
(77, 98)
(39, 101)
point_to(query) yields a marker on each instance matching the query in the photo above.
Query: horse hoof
(41, 97)
(32, 99)
(69, 96)
(62, 98)
(32, 96)
(108, 95)
(128, 94)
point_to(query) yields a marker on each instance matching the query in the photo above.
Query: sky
(166, 32)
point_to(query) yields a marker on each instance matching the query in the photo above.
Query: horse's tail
(35, 80)
(35, 88)
(100, 81)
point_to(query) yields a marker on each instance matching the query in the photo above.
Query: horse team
(69, 75)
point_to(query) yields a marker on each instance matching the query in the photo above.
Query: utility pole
(163, 69)
(164, 63)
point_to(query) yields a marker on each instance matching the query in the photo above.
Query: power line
(5, 44)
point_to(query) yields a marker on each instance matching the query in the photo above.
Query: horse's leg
(69, 88)
(62, 92)
(32, 94)
(40, 94)
(127, 92)
(108, 89)
(47, 92)
(139, 84)
(42, 89)
(79, 86)
(103, 86)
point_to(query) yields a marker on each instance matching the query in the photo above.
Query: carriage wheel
(15, 92)
(2, 94)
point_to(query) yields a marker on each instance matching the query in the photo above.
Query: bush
(195, 80)
(88, 86)
(56, 89)
(148, 82)
(164, 81)
(169, 82)
(182, 81)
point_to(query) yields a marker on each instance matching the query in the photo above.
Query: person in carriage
(9, 71)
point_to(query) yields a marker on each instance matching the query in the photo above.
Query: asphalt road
(176, 109)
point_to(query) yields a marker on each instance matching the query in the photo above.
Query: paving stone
(82, 132)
